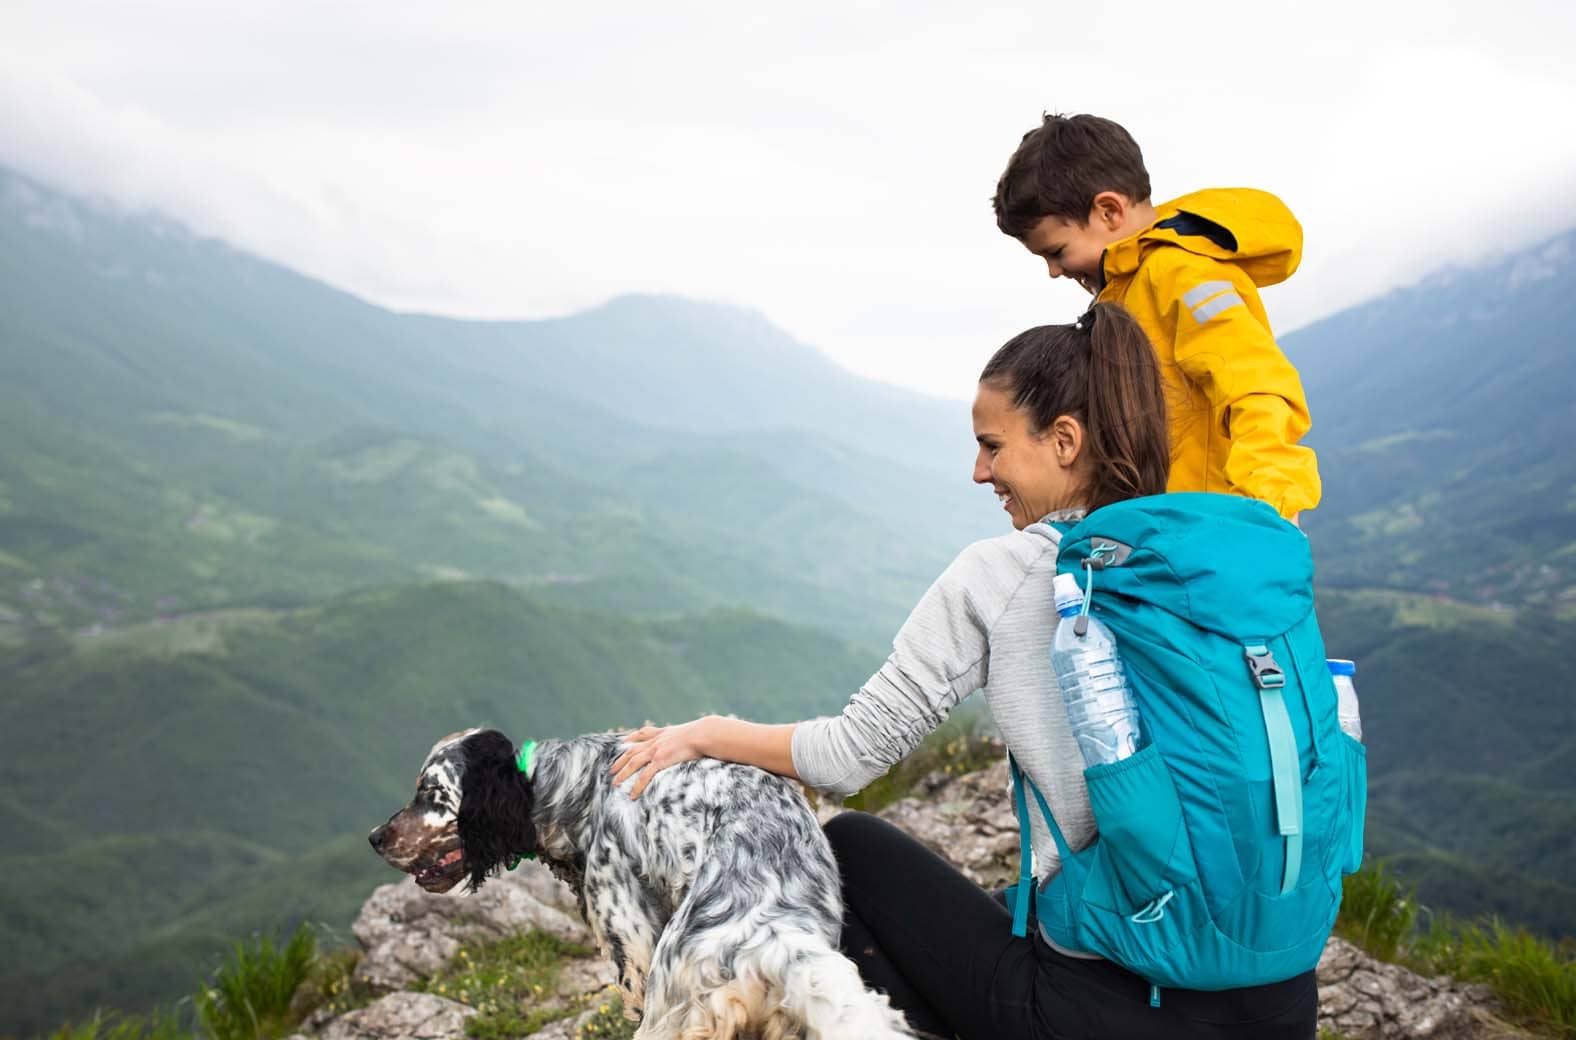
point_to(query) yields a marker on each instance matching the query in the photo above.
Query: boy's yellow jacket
(1236, 404)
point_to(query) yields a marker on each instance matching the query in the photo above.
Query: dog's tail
(795, 985)
(824, 992)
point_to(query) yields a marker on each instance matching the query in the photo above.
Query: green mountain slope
(1471, 740)
(1443, 419)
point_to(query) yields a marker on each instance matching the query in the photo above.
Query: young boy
(1076, 194)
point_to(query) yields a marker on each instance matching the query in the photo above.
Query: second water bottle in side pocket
(1343, 673)
(1100, 706)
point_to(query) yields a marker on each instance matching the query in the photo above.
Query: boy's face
(1071, 251)
(1076, 251)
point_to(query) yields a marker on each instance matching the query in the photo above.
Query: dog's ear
(495, 806)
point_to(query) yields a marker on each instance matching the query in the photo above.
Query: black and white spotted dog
(714, 894)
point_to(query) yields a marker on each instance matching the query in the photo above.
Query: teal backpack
(1222, 841)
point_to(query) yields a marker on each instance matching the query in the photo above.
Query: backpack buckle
(1267, 675)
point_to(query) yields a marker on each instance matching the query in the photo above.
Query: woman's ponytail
(1102, 371)
(1125, 415)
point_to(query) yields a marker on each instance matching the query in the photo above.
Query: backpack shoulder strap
(1052, 529)
(1024, 890)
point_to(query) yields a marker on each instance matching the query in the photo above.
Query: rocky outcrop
(418, 1016)
(409, 934)
(968, 820)
(1360, 997)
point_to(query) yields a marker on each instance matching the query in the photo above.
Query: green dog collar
(523, 761)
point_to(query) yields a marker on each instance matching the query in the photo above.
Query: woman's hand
(651, 749)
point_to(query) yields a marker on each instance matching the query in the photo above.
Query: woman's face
(1032, 473)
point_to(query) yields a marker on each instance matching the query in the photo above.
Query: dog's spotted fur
(714, 895)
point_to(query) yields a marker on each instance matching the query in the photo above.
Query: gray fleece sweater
(986, 624)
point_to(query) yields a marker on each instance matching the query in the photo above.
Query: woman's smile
(1032, 472)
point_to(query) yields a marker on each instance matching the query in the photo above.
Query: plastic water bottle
(1346, 694)
(1099, 703)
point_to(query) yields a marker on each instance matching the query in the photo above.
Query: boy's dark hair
(1103, 372)
(1060, 167)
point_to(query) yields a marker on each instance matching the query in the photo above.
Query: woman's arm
(940, 655)
(651, 749)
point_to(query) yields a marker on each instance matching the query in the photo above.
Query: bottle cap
(1339, 666)
(1068, 593)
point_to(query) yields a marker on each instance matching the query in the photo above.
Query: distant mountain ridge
(1444, 421)
(175, 406)
(639, 358)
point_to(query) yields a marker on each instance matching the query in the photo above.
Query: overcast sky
(829, 164)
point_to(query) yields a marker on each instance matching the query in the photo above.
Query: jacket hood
(1249, 228)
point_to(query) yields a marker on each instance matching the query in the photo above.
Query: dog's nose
(378, 837)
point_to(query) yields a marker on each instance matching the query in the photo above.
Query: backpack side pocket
(1356, 756)
(1144, 843)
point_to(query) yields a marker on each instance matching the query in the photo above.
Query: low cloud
(829, 165)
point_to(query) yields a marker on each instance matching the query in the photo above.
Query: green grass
(608, 1023)
(252, 995)
(331, 985)
(158, 1025)
(508, 983)
(1378, 912)
(1534, 979)
(264, 990)
(962, 744)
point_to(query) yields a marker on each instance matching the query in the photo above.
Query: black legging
(943, 950)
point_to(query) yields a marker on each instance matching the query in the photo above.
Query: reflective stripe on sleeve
(1213, 307)
(1199, 293)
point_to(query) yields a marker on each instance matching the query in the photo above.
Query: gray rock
(1361, 998)
(409, 933)
(584, 975)
(582, 982)
(968, 820)
(417, 1016)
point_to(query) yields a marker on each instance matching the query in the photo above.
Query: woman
(1068, 418)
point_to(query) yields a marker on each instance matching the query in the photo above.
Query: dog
(714, 895)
